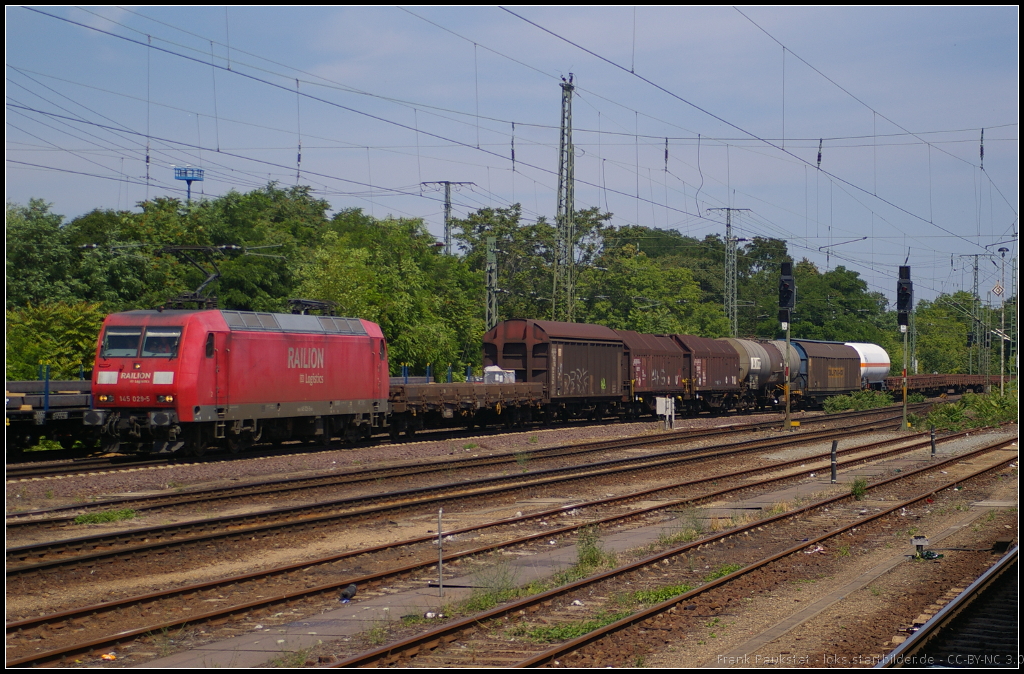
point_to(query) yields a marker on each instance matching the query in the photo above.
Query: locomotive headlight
(165, 399)
(104, 398)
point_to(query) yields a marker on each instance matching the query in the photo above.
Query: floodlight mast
(189, 175)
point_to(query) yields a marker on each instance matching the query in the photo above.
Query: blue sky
(390, 98)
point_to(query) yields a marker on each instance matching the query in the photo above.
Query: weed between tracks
(292, 659)
(568, 630)
(106, 516)
(722, 571)
(589, 558)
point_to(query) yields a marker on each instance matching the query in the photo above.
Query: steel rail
(110, 463)
(906, 653)
(241, 525)
(375, 579)
(32, 517)
(391, 653)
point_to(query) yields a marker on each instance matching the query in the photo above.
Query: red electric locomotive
(188, 380)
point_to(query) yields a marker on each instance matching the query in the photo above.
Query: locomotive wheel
(352, 435)
(238, 443)
(197, 443)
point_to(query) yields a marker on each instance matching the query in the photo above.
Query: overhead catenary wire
(637, 141)
(730, 124)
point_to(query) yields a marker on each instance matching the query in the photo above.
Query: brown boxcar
(653, 363)
(575, 361)
(713, 367)
(827, 369)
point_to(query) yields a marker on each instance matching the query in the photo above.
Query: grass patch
(106, 516)
(775, 509)
(859, 489)
(497, 584)
(723, 570)
(973, 411)
(566, 631)
(688, 527)
(292, 659)
(589, 557)
(858, 400)
(470, 445)
(652, 597)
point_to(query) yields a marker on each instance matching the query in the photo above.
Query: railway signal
(787, 292)
(787, 301)
(904, 305)
(904, 297)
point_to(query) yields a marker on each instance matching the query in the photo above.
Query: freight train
(595, 371)
(185, 381)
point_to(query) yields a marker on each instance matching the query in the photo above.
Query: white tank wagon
(874, 364)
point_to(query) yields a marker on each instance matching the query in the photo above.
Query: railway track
(978, 628)
(163, 603)
(323, 515)
(64, 516)
(509, 635)
(24, 470)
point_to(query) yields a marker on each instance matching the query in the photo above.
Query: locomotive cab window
(382, 351)
(161, 343)
(119, 342)
(209, 345)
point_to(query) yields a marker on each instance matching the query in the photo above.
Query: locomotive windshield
(161, 343)
(121, 342)
(124, 342)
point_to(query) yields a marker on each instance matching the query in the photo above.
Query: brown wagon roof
(704, 346)
(657, 345)
(827, 349)
(558, 330)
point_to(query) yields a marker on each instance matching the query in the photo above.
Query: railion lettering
(305, 358)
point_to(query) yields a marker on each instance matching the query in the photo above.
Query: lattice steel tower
(730, 301)
(563, 294)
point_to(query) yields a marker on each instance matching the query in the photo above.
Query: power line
(734, 126)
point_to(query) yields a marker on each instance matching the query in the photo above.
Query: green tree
(629, 291)
(39, 258)
(58, 334)
(389, 272)
(941, 337)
